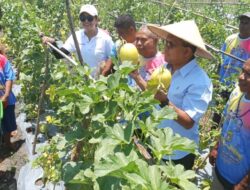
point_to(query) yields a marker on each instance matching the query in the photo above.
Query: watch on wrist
(165, 103)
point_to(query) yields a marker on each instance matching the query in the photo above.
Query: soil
(11, 163)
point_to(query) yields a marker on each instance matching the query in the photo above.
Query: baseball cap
(90, 9)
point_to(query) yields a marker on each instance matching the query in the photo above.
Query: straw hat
(185, 30)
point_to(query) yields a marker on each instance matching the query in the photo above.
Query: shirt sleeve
(8, 71)
(196, 101)
(69, 44)
(114, 52)
(109, 47)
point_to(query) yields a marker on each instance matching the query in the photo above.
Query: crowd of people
(190, 91)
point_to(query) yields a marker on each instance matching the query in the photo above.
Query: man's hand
(134, 74)
(162, 97)
(244, 184)
(4, 100)
(46, 39)
(138, 79)
(213, 154)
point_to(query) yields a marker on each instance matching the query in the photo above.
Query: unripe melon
(128, 52)
(160, 79)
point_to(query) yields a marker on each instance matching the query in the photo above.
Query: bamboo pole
(71, 24)
(228, 54)
(40, 103)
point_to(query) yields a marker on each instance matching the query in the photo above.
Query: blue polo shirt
(191, 91)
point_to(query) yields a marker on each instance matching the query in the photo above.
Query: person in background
(190, 89)
(95, 44)
(8, 99)
(231, 155)
(126, 30)
(238, 45)
(150, 58)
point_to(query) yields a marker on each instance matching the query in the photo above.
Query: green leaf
(147, 177)
(25, 77)
(58, 76)
(127, 67)
(165, 142)
(105, 148)
(116, 164)
(113, 80)
(109, 183)
(164, 113)
(121, 133)
(99, 117)
(85, 104)
(177, 175)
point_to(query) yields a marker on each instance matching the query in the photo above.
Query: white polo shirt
(93, 51)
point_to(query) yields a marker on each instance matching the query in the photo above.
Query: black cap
(247, 14)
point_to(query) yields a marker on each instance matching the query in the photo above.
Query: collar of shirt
(86, 39)
(187, 68)
(242, 39)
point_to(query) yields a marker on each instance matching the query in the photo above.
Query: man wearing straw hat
(190, 90)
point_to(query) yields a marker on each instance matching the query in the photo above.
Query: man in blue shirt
(237, 44)
(190, 90)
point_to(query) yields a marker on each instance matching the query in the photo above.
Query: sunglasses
(83, 18)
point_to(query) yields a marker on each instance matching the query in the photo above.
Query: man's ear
(188, 52)
(132, 29)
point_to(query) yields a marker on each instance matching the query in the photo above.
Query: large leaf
(147, 177)
(126, 67)
(116, 165)
(164, 113)
(120, 132)
(165, 142)
(105, 148)
(72, 169)
(177, 175)
(113, 80)
(109, 183)
(85, 104)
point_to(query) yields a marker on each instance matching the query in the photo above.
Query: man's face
(89, 22)
(146, 45)
(244, 27)
(244, 78)
(174, 49)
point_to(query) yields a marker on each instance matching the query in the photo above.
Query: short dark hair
(125, 22)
